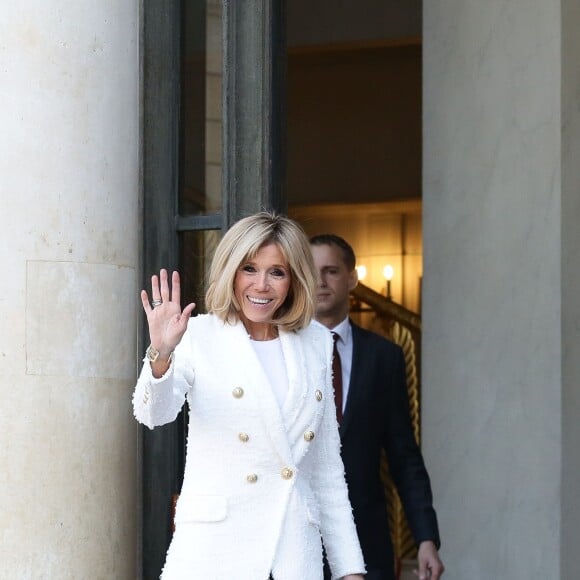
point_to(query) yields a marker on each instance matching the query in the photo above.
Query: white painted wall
(69, 226)
(501, 277)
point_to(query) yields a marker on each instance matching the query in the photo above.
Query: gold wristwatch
(152, 354)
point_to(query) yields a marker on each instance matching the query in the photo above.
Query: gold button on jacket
(309, 435)
(244, 437)
(318, 395)
(252, 478)
(238, 392)
(287, 473)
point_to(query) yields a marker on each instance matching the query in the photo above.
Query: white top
(271, 357)
(344, 346)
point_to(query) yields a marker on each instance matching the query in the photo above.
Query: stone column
(570, 289)
(69, 231)
(501, 353)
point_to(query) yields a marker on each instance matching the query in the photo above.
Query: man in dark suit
(375, 416)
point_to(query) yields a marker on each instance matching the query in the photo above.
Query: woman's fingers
(177, 326)
(167, 323)
(161, 293)
(180, 320)
(145, 301)
(176, 289)
(187, 311)
(155, 294)
(164, 286)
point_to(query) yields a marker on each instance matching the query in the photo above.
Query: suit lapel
(356, 382)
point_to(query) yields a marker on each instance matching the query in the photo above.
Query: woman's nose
(262, 281)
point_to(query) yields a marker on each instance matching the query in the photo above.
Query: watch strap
(152, 354)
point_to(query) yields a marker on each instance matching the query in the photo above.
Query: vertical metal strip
(160, 449)
(254, 97)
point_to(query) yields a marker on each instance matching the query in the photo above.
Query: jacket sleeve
(406, 462)
(157, 401)
(336, 520)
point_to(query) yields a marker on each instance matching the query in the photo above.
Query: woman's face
(261, 286)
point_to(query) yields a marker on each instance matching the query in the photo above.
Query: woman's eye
(248, 268)
(278, 273)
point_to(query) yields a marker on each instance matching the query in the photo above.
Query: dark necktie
(337, 378)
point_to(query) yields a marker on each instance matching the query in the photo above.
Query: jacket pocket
(201, 508)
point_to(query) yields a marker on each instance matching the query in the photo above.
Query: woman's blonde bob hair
(240, 244)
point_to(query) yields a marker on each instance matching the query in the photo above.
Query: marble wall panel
(69, 231)
(570, 265)
(492, 347)
(76, 320)
(69, 465)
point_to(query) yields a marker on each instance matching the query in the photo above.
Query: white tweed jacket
(262, 485)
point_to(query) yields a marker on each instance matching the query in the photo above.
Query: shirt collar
(343, 329)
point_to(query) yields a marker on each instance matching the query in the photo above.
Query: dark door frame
(254, 178)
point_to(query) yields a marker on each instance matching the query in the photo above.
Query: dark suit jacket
(377, 416)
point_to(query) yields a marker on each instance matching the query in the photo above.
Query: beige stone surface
(500, 302)
(69, 231)
(76, 316)
(68, 480)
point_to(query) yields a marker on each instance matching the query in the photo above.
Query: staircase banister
(386, 307)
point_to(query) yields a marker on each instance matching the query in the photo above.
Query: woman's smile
(259, 300)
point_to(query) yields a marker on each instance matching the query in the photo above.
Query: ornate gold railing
(375, 312)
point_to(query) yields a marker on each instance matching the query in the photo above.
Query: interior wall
(354, 125)
(380, 234)
(318, 22)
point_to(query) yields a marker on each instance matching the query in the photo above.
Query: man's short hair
(334, 240)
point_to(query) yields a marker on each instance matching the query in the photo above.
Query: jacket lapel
(301, 410)
(297, 380)
(256, 380)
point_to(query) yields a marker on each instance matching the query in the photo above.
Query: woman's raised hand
(167, 322)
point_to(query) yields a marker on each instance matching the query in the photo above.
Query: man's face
(335, 282)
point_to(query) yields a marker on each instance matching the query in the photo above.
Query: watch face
(152, 353)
